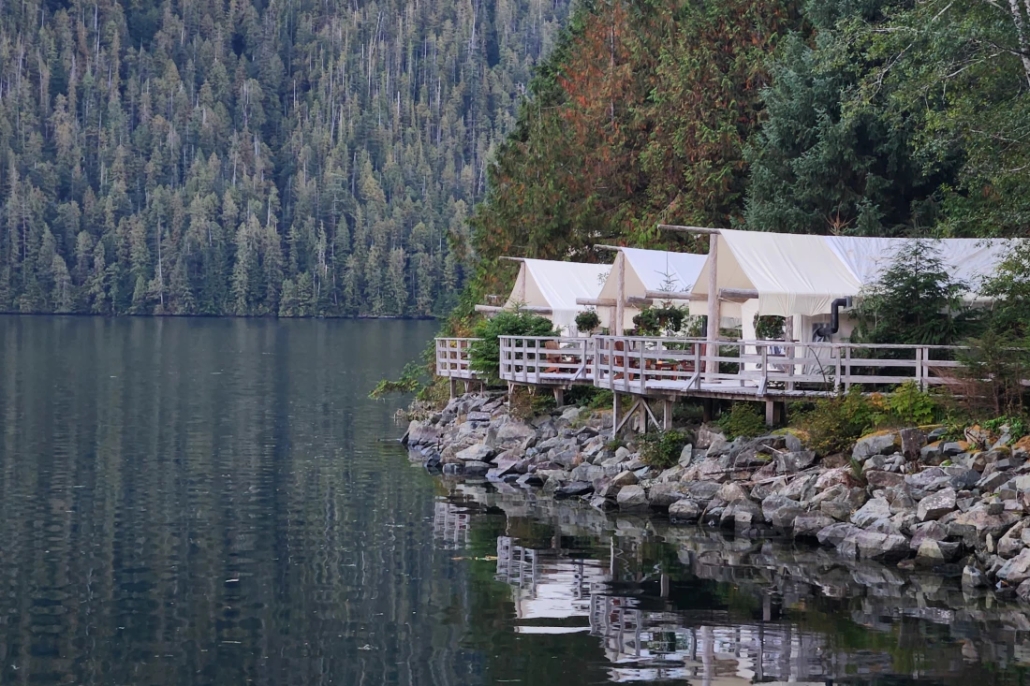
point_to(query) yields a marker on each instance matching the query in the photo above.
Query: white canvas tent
(638, 276)
(799, 276)
(550, 288)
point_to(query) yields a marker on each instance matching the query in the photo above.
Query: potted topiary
(587, 321)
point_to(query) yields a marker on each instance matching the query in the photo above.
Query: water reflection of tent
(546, 586)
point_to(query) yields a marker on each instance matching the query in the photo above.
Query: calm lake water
(212, 502)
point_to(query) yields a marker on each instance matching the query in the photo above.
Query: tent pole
(524, 273)
(620, 297)
(711, 365)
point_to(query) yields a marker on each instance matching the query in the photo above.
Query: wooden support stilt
(616, 409)
(770, 412)
(707, 409)
(559, 396)
(666, 414)
(452, 386)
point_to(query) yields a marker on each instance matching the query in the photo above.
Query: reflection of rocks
(898, 482)
(877, 596)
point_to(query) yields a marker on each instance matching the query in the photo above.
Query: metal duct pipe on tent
(834, 327)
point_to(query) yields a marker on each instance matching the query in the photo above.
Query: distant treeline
(252, 157)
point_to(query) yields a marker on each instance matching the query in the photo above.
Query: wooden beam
(494, 309)
(602, 246)
(637, 301)
(688, 229)
(512, 259)
(673, 295)
(738, 293)
(596, 302)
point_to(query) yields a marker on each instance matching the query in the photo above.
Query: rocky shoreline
(903, 497)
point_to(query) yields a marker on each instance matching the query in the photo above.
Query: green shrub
(587, 321)
(833, 424)
(655, 321)
(485, 354)
(742, 420)
(662, 450)
(909, 405)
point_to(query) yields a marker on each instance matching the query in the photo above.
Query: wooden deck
(668, 369)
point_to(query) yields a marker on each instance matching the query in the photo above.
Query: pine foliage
(251, 157)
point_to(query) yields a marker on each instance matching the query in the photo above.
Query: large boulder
(701, 491)
(632, 498)
(480, 452)
(809, 524)
(876, 444)
(1016, 570)
(936, 505)
(975, 524)
(877, 546)
(927, 481)
(833, 534)
(912, 442)
(781, 511)
(685, 511)
(868, 514)
(664, 495)
(514, 432)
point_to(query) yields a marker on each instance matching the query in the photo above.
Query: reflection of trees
(193, 501)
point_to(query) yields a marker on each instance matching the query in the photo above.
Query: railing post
(643, 368)
(921, 355)
(765, 364)
(836, 379)
(847, 369)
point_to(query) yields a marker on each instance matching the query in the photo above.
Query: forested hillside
(251, 157)
(862, 117)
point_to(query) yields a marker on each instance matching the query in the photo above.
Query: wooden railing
(452, 358)
(652, 365)
(641, 365)
(546, 360)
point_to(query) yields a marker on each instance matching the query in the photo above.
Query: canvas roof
(803, 274)
(555, 284)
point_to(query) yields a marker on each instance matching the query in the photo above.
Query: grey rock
(574, 489)
(571, 414)
(701, 491)
(664, 495)
(951, 448)
(929, 553)
(686, 456)
(1023, 591)
(876, 546)
(1011, 543)
(927, 531)
(995, 506)
(927, 481)
(962, 478)
(684, 511)
(632, 498)
(881, 444)
(973, 578)
(977, 523)
(992, 482)
(601, 503)
(780, 511)
(514, 432)
(731, 493)
(881, 479)
(626, 478)
(623, 453)
(476, 468)
(476, 453)
(833, 534)
(936, 505)
(793, 462)
(1016, 570)
(534, 480)
(875, 509)
(809, 524)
